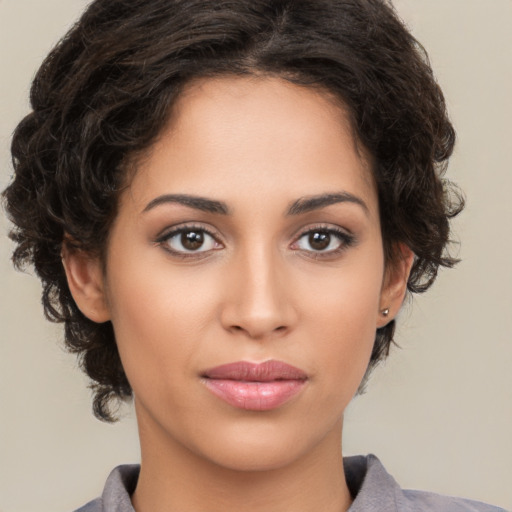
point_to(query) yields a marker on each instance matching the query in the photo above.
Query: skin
(257, 289)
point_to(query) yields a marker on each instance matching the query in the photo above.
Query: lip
(255, 386)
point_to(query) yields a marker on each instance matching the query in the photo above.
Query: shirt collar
(118, 488)
(371, 486)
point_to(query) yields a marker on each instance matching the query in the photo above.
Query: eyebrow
(311, 203)
(196, 202)
(298, 207)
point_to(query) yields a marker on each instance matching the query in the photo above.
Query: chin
(247, 458)
(264, 446)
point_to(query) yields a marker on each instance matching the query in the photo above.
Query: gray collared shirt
(373, 488)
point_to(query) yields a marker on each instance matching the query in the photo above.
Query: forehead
(254, 133)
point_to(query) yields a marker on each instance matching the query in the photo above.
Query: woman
(226, 203)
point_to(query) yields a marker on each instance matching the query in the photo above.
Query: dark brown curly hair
(105, 92)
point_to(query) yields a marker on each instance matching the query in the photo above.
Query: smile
(255, 387)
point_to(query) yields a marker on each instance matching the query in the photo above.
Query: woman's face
(250, 233)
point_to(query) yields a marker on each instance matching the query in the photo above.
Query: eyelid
(186, 226)
(331, 228)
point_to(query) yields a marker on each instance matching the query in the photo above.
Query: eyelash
(163, 241)
(346, 240)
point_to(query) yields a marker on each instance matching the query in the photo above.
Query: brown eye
(192, 240)
(319, 240)
(326, 241)
(189, 240)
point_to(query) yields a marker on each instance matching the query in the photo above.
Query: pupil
(319, 240)
(192, 240)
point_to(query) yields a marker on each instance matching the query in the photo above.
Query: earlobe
(86, 282)
(394, 286)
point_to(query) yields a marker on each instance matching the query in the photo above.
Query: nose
(258, 297)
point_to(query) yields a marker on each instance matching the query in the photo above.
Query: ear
(394, 285)
(86, 282)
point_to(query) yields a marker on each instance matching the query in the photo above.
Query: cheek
(348, 296)
(161, 316)
(342, 317)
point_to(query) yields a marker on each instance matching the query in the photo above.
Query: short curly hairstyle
(105, 92)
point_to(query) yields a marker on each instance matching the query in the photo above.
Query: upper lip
(256, 372)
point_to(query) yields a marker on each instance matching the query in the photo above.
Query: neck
(173, 477)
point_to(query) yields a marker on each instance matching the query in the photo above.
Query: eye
(189, 240)
(324, 240)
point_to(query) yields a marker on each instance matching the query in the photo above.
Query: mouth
(255, 386)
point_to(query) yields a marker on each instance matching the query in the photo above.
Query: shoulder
(421, 501)
(116, 494)
(92, 506)
(375, 490)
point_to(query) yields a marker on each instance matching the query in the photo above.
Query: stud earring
(384, 312)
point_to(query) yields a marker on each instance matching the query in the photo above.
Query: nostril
(238, 328)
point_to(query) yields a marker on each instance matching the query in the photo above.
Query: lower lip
(255, 396)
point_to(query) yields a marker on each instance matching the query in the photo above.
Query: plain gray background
(438, 414)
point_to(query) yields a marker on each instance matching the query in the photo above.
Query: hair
(105, 92)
